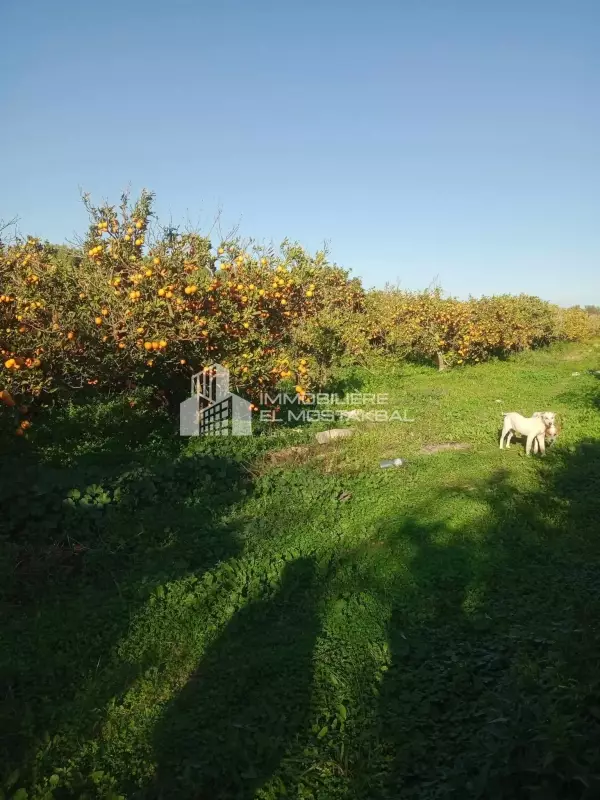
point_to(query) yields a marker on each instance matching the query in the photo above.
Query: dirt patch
(329, 460)
(290, 455)
(430, 449)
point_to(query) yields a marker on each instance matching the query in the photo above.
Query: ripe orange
(148, 345)
(19, 432)
(6, 398)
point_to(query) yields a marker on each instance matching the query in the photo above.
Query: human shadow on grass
(225, 733)
(493, 689)
(94, 556)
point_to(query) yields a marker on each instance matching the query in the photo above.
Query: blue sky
(436, 139)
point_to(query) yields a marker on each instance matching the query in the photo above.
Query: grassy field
(216, 623)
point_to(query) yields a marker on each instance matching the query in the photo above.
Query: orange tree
(573, 324)
(424, 324)
(136, 304)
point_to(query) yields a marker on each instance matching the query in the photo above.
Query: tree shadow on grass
(225, 733)
(494, 689)
(100, 430)
(80, 562)
(352, 380)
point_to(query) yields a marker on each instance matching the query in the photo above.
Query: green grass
(193, 619)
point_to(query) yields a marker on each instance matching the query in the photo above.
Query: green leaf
(342, 711)
(595, 711)
(12, 778)
(322, 732)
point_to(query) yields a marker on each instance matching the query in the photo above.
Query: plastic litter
(394, 462)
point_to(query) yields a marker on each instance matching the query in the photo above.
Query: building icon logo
(212, 410)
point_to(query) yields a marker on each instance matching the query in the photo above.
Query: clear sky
(421, 138)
